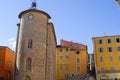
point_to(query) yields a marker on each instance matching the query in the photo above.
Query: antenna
(33, 5)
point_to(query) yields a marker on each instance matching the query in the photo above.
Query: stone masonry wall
(35, 30)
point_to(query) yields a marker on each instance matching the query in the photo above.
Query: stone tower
(36, 44)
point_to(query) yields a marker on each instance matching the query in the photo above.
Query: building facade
(7, 60)
(71, 60)
(36, 46)
(107, 57)
(118, 1)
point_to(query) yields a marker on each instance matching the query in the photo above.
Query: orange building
(71, 60)
(7, 59)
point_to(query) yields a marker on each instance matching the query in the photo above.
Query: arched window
(28, 64)
(30, 43)
(27, 78)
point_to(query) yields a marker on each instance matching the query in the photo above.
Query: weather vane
(33, 5)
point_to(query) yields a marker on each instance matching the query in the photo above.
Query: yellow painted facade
(70, 62)
(107, 54)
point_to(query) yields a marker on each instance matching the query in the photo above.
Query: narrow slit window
(30, 43)
(28, 64)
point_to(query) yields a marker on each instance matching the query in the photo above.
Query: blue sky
(74, 20)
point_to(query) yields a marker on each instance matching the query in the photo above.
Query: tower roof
(35, 10)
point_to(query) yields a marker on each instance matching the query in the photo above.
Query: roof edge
(7, 48)
(23, 12)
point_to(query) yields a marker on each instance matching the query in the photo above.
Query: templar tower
(36, 44)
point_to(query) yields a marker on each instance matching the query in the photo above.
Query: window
(101, 59)
(100, 41)
(9, 64)
(119, 68)
(110, 49)
(66, 49)
(27, 78)
(112, 69)
(109, 41)
(28, 64)
(60, 67)
(102, 70)
(60, 57)
(66, 57)
(60, 49)
(8, 75)
(0, 49)
(111, 58)
(1, 78)
(78, 60)
(117, 40)
(78, 68)
(72, 75)
(119, 58)
(67, 68)
(118, 48)
(66, 76)
(30, 43)
(77, 52)
(101, 49)
(0, 61)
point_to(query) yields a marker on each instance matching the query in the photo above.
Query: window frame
(78, 60)
(111, 58)
(102, 69)
(60, 49)
(9, 64)
(67, 67)
(66, 49)
(118, 48)
(117, 40)
(60, 57)
(78, 68)
(60, 68)
(65, 76)
(101, 50)
(101, 59)
(109, 40)
(72, 75)
(118, 58)
(66, 57)
(100, 41)
(77, 52)
(110, 49)
(112, 69)
(30, 43)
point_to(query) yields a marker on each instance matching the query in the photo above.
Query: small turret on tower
(33, 5)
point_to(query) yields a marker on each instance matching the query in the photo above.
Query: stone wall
(42, 53)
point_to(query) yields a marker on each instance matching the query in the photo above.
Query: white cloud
(12, 42)
(11, 39)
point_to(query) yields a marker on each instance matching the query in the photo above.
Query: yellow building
(71, 60)
(107, 57)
